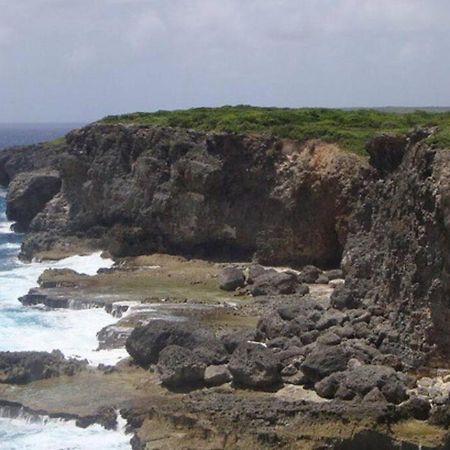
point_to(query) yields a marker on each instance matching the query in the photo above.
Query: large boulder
(179, 367)
(25, 367)
(361, 381)
(145, 343)
(324, 360)
(274, 283)
(254, 365)
(230, 278)
(28, 194)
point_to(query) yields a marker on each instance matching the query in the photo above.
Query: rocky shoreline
(348, 353)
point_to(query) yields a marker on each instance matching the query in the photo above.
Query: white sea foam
(10, 246)
(44, 433)
(71, 331)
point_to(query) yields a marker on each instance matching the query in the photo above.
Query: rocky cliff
(145, 188)
(397, 257)
(139, 189)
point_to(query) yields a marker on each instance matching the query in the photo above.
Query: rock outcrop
(24, 367)
(147, 188)
(397, 257)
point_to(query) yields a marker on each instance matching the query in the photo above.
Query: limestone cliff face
(398, 254)
(146, 188)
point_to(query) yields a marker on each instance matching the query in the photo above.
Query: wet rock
(309, 274)
(179, 367)
(145, 343)
(25, 367)
(323, 361)
(231, 278)
(217, 375)
(254, 365)
(277, 283)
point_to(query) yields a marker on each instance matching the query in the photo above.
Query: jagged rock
(28, 194)
(217, 375)
(254, 365)
(394, 257)
(145, 343)
(24, 367)
(274, 283)
(231, 278)
(179, 367)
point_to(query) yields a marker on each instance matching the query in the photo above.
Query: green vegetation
(348, 128)
(57, 141)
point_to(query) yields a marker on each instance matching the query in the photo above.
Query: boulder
(231, 278)
(324, 360)
(232, 339)
(274, 283)
(256, 270)
(179, 367)
(362, 380)
(332, 317)
(334, 274)
(217, 375)
(309, 274)
(145, 343)
(254, 365)
(416, 407)
(25, 367)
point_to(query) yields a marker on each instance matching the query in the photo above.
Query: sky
(79, 60)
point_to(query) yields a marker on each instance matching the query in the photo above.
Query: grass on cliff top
(350, 129)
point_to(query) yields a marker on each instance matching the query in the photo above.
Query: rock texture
(24, 367)
(397, 257)
(147, 188)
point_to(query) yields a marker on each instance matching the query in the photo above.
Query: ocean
(35, 328)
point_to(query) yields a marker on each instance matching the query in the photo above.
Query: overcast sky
(79, 60)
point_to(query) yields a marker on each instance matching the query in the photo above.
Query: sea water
(24, 328)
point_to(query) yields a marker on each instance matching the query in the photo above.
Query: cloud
(81, 59)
